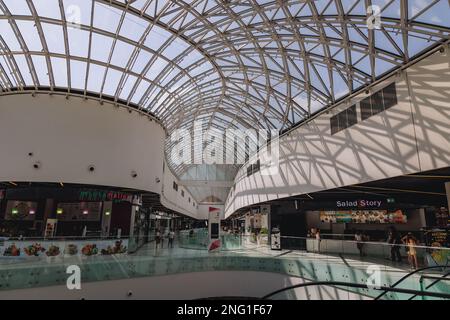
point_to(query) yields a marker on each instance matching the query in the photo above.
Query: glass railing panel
(329, 260)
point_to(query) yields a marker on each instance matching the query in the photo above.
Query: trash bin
(275, 239)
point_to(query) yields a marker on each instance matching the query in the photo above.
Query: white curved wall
(173, 199)
(410, 137)
(68, 135)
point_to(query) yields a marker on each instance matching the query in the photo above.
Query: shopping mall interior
(212, 149)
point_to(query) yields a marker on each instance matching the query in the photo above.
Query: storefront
(66, 212)
(371, 216)
(254, 224)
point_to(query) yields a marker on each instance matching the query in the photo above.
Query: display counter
(370, 249)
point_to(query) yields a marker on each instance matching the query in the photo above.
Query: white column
(106, 217)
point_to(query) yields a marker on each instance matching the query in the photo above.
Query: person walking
(394, 241)
(171, 238)
(359, 238)
(157, 238)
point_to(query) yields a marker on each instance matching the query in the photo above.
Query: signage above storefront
(360, 204)
(100, 195)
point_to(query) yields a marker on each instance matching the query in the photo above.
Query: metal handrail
(358, 285)
(444, 277)
(410, 274)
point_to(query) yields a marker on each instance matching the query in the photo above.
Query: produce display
(71, 249)
(52, 251)
(34, 249)
(12, 251)
(89, 250)
(31, 249)
(117, 248)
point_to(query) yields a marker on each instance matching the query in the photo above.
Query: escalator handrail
(433, 283)
(408, 275)
(358, 285)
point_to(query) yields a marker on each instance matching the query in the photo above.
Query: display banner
(61, 248)
(437, 239)
(214, 229)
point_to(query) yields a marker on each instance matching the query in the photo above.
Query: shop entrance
(292, 223)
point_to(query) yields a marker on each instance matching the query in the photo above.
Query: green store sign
(99, 195)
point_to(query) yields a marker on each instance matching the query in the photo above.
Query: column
(106, 218)
(447, 190)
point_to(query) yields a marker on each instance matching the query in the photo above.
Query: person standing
(394, 242)
(411, 242)
(171, 238)
(318, 239)
(157, 238)
(359, 238)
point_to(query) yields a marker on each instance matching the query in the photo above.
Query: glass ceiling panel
(30, 34)
(59, 66)
(54, 37)
(47, 8)
(78, 42)
(77, 12)
(251, 60)
(17, 7)
(101, 47)
(78, 74)
(41, 70)
(25, 72)
(8, 36)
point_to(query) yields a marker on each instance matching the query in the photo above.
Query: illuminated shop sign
(364, 216)
(360, 204)
(98, 195)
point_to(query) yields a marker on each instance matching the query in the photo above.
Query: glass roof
(236, 64)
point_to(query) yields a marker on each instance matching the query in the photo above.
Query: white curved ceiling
(234, 64)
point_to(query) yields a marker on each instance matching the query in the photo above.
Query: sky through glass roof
(237, 64)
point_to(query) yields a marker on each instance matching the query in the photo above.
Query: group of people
(395, 242)
(409, 242)
(159, 238)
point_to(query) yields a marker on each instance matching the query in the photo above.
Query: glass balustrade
(28, 263)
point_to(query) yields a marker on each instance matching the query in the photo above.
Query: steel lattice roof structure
(234, 64)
